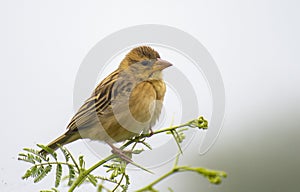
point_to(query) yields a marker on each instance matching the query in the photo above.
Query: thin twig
(119, 183)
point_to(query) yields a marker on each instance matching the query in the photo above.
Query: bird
(125, 104)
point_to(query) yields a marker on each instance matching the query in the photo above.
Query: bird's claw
(151, 132)
(124, 155)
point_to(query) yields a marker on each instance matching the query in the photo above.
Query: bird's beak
(160, 64)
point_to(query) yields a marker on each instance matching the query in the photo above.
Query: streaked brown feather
(97, 103)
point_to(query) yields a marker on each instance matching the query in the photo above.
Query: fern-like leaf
(58, 175)
(34, 171)
(48, 150)
(92, 179)
(176, 138)
(27, 174)
(36, 152)
(29, 158)
(81, 162)
(66, 153)
(127, 183)
(42, 173)
(51, 190)
(146, 144)
(71, 175)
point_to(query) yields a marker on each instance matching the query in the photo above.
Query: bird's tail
(61, 140)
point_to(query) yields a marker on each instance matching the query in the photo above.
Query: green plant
(115, 166)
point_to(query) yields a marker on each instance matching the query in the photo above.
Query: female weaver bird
(125, 104)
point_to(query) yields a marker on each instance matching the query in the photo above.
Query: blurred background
(254, 43)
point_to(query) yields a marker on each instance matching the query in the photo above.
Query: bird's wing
(99, 101)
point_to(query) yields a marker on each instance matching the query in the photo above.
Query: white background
(254, 43)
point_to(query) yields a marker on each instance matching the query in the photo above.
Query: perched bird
(125, 104)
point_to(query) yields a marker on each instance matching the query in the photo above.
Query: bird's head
(145, 62)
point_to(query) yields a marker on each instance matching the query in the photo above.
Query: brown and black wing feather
(98, 103)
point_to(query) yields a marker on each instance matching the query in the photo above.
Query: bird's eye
(145, 62)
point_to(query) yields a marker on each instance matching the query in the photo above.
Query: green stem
(154, 133)
(54, 163)
(176, 169)
(150, 186)
(74, 161)
(168, 129)
(85, 173)
(119, 183)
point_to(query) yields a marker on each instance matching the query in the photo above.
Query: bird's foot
(151, 132)
(122, 154)
(125, 156)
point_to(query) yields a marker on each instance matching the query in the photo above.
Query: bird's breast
(146, 101)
